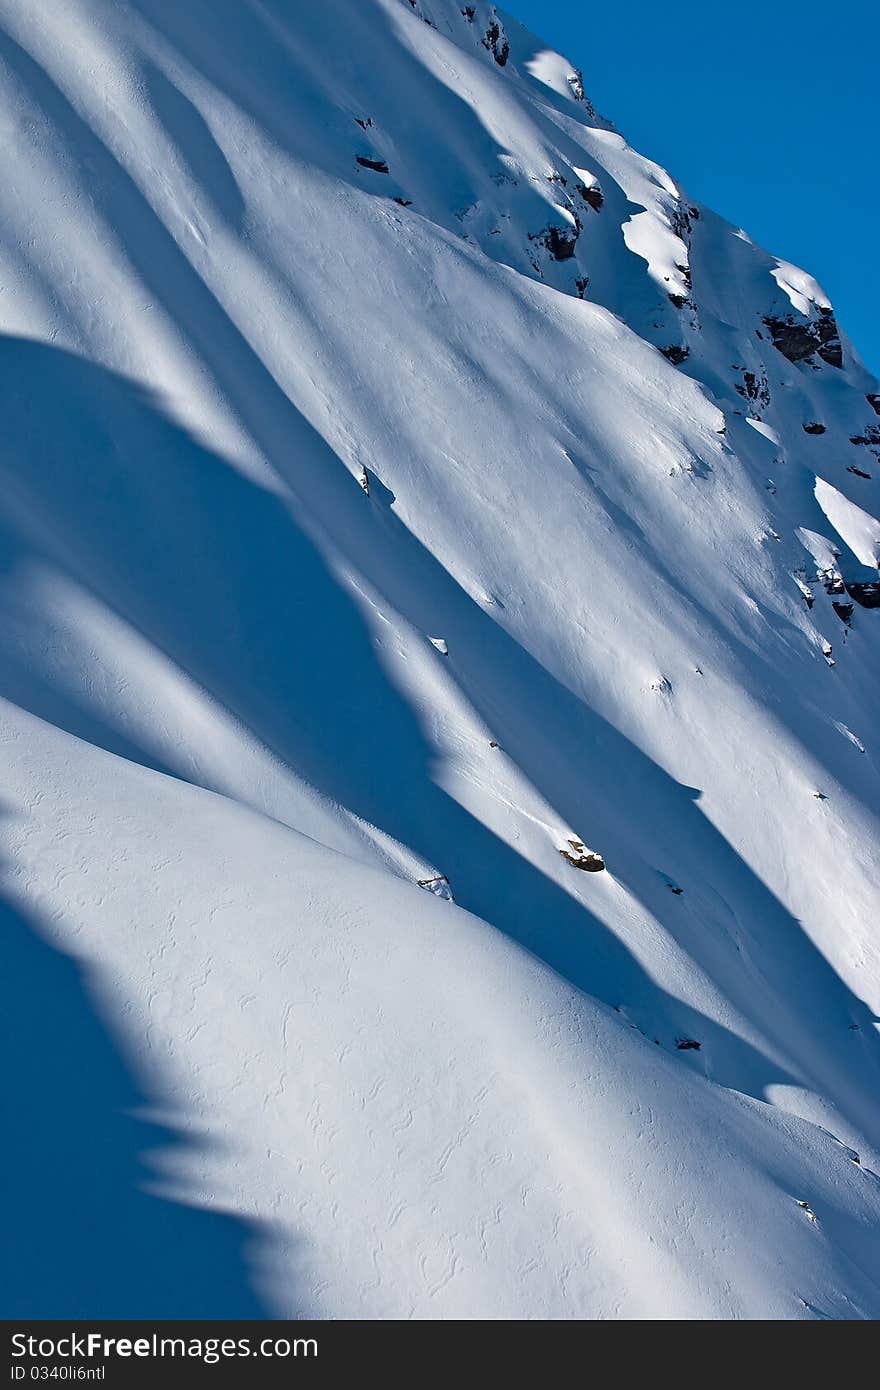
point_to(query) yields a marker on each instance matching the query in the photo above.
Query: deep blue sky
(767, 112)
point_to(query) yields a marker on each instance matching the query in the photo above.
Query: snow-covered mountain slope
(405, 482)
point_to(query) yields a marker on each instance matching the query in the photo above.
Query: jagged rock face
(830, 348)
(576, 83)
(592, 195)
(495, 40)
(866, 593)
(377, 165)
(844, 611)
(870, 438)
(560, 242)
(799, 341)
(755, 387)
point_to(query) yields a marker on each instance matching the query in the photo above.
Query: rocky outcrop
(801, 339)
(830, 348)
(439, 885)
(576, 83)
(754, 388)
(865, 592)
(495, 40)
(583, 858)
(592, 195)
(560, 241)
(870, 438)
(844, 611)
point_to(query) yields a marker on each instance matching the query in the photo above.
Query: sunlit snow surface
(357, 534)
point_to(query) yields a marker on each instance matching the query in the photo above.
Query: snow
(361, 555)
(857, 528)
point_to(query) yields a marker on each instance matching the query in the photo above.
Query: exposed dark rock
(799, 341)
(559, 241)
(681, 223)
(830, 349)
(592, 195)
(865, 592)
(583, 858)
(575, 81)
(755, 388)
(364, 123)
(870, 437)
(794, 340)
(844, 611)
(581, 284)
(687, 1045)
(859, 472)
(469, 11)
(404, 202)
(873, 399)
(814, 428)
(679, 300)
(495, 40)
(675, 354)
(378, 165)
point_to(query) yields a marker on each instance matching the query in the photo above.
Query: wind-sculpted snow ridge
(439, 645)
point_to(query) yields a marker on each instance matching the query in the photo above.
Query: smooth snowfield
(362, 529)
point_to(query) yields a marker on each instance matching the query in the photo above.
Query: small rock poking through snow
(439, 885)
(583, 858)
(808, 1212)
